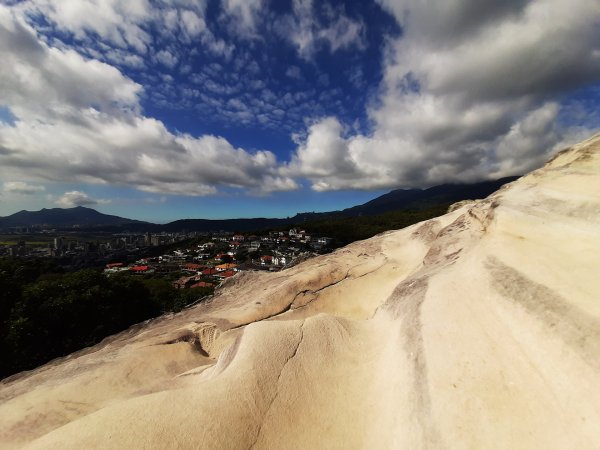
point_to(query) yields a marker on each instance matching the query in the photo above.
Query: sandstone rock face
(478, 329)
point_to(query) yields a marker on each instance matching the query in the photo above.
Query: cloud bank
(80, 120)
(22, 188)
(472, 89)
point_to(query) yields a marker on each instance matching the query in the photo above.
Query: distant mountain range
(64, 217)
(399, 199)
(424, 198)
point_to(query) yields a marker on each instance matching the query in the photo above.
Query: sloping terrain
(64, 217)
(399, 199)
(478, 329)
(423, 198)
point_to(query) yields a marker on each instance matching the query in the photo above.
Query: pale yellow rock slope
(479, 329)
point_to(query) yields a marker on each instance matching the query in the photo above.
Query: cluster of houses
(284, 244)
(221, 256)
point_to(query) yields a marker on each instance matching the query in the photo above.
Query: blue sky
(168, 109)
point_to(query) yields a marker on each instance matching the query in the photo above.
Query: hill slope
(477, 329)
(399, 199)
(395, 200)
(423, 198)
(64, 217)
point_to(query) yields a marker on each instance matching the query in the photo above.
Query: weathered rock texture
(478, 329)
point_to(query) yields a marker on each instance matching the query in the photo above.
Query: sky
(166, 109)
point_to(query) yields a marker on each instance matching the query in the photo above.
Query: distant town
(189, 253)
(188, 260)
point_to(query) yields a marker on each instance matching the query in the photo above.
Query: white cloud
(78, 198)
(342, 32)
(192, 23)
(307, 32)
(37, 79)
(217, 46)
(527, 48)
(116, 21)
(166, 58)
(529, 141)
(123, 31)
(138, 152)
(325, 152)
(245, 14)
(21, 187)
(79, 120)
(122, 58)
(471, 89)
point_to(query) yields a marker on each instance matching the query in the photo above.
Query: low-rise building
(184, 282)
(225, 274)
(193, 268)
(280, 260)
(210, 272)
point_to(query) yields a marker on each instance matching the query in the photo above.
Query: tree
(54, 317)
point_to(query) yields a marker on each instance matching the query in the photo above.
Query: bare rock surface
(477, 329)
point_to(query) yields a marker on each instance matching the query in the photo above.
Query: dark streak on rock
(575, 327)
(405, 305)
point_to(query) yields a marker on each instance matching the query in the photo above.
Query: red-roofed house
(225, 274)
(266, 260)
(191, 267)
(140, 269)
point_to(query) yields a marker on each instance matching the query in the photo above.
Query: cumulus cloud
(41, 80)
(336, 161)
(78, 198)
(79, 120)
(21, 187)
(471, 89)
(138, 152)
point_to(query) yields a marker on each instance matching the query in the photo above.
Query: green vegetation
(45, 313)
(345, 230)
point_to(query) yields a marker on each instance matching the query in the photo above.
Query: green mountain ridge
(399, 199)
